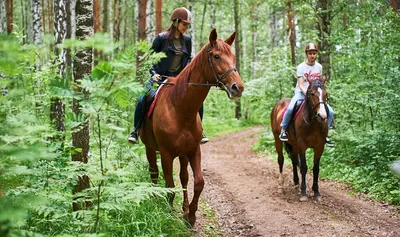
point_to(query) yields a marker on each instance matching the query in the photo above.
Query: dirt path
(241, 188)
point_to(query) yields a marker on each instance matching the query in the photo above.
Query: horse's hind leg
(294, 157)
(278, 148)
(167, 166)
(184, 176)
(153, 168)
(195, 163)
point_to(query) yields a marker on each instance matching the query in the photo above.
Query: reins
(218, 79)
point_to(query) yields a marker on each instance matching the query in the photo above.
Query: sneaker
(283, 136)
(133, 138)
(328, 142)
(204, 139)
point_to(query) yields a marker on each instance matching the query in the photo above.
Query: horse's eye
(217, 56)
(312, 93)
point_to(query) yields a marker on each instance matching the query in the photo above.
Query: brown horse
(174, 128)
(308, 130)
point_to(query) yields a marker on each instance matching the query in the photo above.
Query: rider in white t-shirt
(314, 70)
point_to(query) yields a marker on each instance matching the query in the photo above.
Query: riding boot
(133, 138)
(204, 139)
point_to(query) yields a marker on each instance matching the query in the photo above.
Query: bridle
(314, 106)
(218, 79)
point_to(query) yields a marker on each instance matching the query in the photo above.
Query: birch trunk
(82, 68)
(37, 21)
(2, 16)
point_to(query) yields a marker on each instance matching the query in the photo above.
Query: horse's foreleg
(153, 168)
(195, 163)
(184, 176)
(167, 165)
(281, 179)
(317, 157)
(303, 171)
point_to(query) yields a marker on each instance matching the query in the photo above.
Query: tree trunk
(68, 35)
(117, 19)
(292, 35)
(10, 15)
(37, 21)
(324, 33)
(158, 16)
(2, 16)
(192, 28)
(395, 4)
(150, 21)
(212, 14)
(142, 20)
(82, 68)
(50, 15)
(201, 41)
(105, 15)
(43, 12)
(238, 112)
(60, 32)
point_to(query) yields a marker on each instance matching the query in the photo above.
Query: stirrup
(133, 138)
(283, 136)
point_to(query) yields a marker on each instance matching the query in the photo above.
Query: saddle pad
(153, 104)
(296, 109)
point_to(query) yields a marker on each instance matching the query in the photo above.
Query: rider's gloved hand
(156, 77)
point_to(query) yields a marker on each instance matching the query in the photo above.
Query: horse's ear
(213, 37)
(307, 77)
(231, 38)
(324, 78)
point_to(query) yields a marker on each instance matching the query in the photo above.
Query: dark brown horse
(175, 128)
(308, 130)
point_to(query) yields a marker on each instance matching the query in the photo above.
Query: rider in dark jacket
(177, 47)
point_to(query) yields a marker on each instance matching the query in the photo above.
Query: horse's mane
(176, 92)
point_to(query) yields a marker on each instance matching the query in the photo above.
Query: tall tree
(37, 21)
(105, 15)
(117, 20)
(254, 12)
(238, 112)
(60, 32)
(395, 4)
(142, 19)
(324, 14)
(2, 16)
(82, 68)
(158, 16)
(10, 15)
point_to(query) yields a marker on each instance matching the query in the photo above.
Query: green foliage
(37, 177)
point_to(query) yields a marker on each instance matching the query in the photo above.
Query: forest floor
(241, 194)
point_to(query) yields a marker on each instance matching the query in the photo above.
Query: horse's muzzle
(320, 118)
(235, 90)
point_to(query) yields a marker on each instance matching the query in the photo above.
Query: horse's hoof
(318, 198)
(303, 199)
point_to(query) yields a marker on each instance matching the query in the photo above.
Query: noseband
(218, 79)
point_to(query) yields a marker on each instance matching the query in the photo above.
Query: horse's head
(222, 62)
(317, 97)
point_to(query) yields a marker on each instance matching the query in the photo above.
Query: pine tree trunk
(105, 15)
(82, 68)
(142, 20)
(238, 112)
(324, 33)
(117, 20)
(158, 16)
(150, 21)
(50, 15)
(10, 15)
(254, 19)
